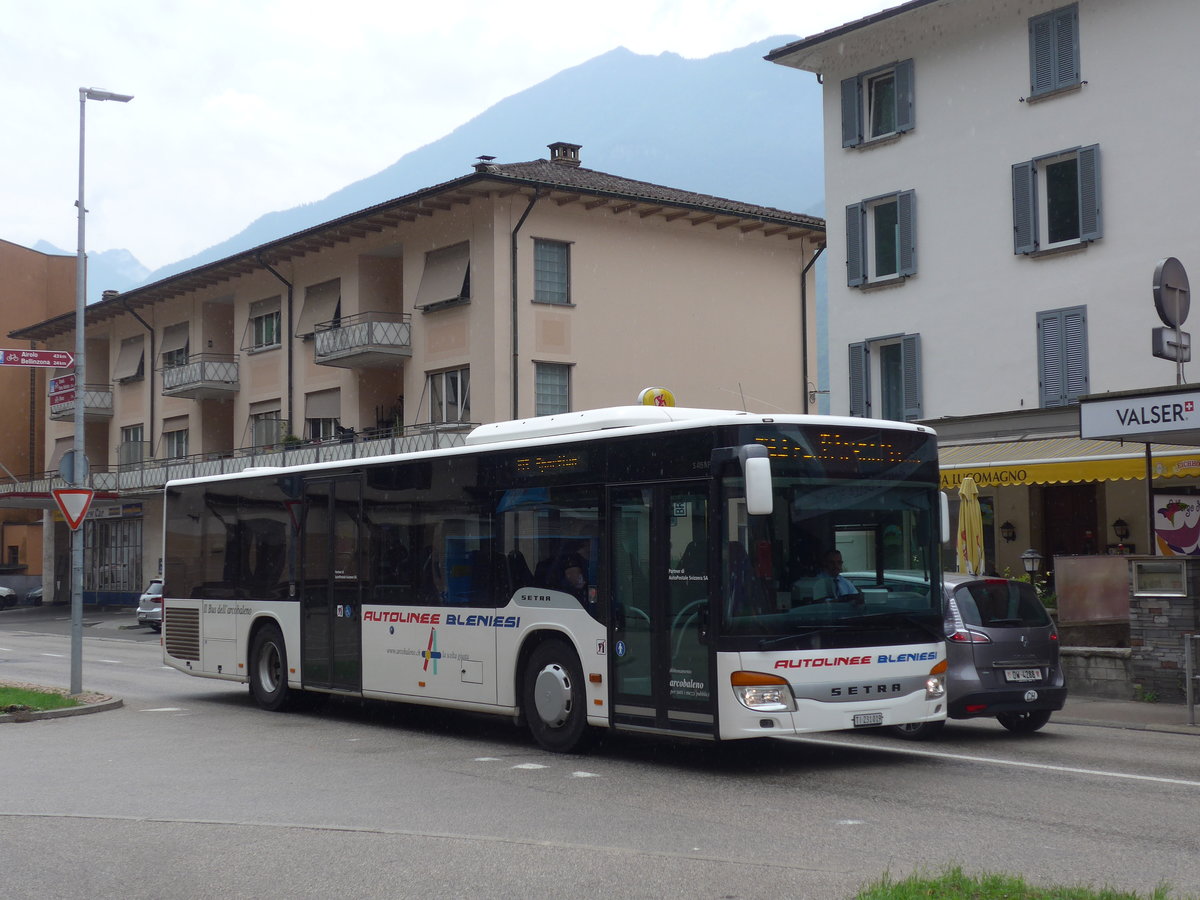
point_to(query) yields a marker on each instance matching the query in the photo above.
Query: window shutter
(1090, 228)
(1066, 46)
(1024, 181)
(1054, 50)
(906, 214)
(856, 245)
(852, 112)
(1075, 357)
(905, 106)
(1050, 376)
(910, 362)
(860, 398)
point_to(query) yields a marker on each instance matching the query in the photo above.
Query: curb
(35, 715)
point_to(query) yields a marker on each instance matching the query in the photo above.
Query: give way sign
(73, 503)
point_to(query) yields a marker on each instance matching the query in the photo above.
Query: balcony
(364, 340)
(97, 404)
(204, 376)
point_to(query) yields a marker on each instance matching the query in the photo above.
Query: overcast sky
(242, 107)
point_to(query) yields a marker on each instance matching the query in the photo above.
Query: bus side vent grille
(181, 632)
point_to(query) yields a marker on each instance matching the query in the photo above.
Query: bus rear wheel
(553, 698)
(268, 670)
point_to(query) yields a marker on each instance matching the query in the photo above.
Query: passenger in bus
(831, 584)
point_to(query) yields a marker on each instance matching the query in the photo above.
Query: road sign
(73, 503)
(47, 359)
(62, 397)
(62, 383)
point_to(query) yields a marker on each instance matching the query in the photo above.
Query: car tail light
(976, 707)
(967, 636)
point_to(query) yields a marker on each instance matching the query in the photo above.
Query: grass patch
(953, 884)
(19, 699)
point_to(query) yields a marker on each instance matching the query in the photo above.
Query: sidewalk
(1133, 714)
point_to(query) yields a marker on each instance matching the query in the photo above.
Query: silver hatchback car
(149, 611)
(1002, 651)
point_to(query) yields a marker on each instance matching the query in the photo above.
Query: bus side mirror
(759, 497)
(947, 534)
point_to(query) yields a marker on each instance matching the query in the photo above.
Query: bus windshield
(839, 562)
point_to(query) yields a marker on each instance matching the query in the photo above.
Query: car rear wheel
(918, 731)
(1024, 722)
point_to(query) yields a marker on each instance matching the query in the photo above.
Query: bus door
(660, 656)
(331, 598)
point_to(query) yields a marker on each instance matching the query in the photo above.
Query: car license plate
(865, 720)
(1022, 674)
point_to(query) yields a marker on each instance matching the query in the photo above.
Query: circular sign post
(1172, 301)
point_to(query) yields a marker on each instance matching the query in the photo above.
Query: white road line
(963, 757)
(165, 709)
(530, 766)
(115, 662)
(55, 655)
(585, 775)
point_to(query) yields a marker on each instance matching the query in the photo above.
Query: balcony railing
(151, 475)
(97, 404)
(203, 376)
(363, 340)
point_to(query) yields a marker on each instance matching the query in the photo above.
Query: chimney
(565, 154)
(109, 294)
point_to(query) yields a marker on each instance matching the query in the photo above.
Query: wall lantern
(1008, 532)
(1120, 529)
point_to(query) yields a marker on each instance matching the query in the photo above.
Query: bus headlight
(762, 692)
(935, 684)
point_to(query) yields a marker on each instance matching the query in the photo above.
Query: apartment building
(515, 290)
(32, 285)
(1003, 179)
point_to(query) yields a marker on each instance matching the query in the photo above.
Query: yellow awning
(1060, 460)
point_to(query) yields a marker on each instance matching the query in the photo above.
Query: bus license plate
(865, 720)
(1022, 674)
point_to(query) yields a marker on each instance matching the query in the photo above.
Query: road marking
(996, 761)
(530, 766)
(585, 775)
(115, 662)
(55, 655)
(165, 709)
(487, 759)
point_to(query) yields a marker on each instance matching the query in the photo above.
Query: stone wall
(1158, 628)
(1098, 672)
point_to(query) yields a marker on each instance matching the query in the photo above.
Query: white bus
(638, 568)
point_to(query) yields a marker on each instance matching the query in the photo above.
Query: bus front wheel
(268, 670)
(554, 700)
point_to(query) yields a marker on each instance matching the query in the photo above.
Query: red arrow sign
(73, 503)
(62, 383)
(50, 359)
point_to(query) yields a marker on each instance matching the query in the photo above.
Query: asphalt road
(191, 791)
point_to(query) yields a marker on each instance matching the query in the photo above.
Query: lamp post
(1032, 560)
(79, 468)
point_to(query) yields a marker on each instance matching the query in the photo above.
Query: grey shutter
(1090, 226)
(852, 112)
(1024, 181)
(856, 245)
(910, 364)
(1075, 356)
(905, 86)
(860, 397)
(906, 214)
(1066, 46)
(1050, 365)
(1054, 50)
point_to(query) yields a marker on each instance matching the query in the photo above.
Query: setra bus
(652, 569)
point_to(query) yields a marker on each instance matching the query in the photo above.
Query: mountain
(731, 125)
(116, 270)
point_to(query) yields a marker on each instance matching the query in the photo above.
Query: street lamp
(79, 468)
(1031, 560)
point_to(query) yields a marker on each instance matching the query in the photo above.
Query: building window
(446, 278)
(175, 346)
(322, 303)
(890, 369)
(1062, 356)
(552, 390)
(877, 104)
(881, 239)
(266, 428)
(130, 361)
(175, 443)
(450, 396)
(133, 445)
(551, 271)
(1054, 51)
(1056, 200)
(265, 331)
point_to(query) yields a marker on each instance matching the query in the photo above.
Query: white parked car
(149, 611)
